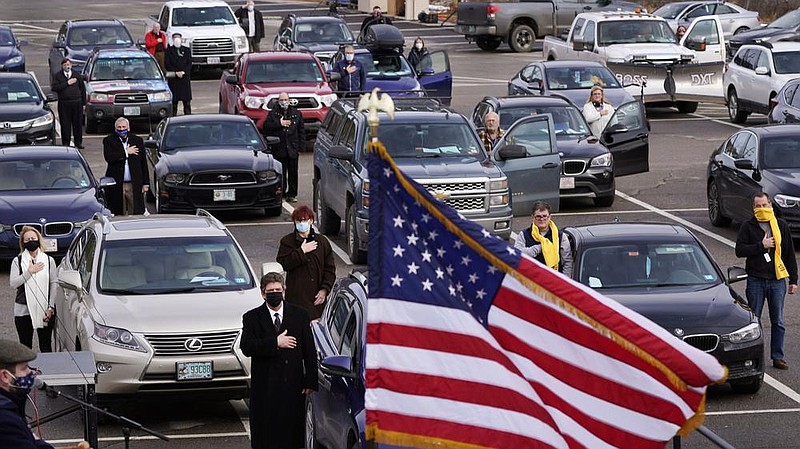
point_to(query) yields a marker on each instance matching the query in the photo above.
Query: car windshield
(283, 72)
(172, 265)
(634, 32)
(125, 69)
(781, 152)
(786, 61)
(570, 78)
(213, 15)
(99, 36)
(7, 39)
(201, 134)
(312, 32)
(41, 174)
(646, 265)
(407, 140)
(381, 65)
(670, 10)
(789, 20)
(567, 120)
(18, 91)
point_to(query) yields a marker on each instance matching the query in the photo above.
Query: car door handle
(641, 136)
(550, 165)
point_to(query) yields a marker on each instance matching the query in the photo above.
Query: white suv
(756, 74)
(159, 303)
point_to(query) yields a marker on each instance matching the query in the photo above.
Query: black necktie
(277, 322)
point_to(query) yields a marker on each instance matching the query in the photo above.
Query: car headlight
(327, 100)
(44, 120)
(604, 160)
(748, 333)
(241, 43)
(787, 201)
(267, 175)
(116, 337)
(500, 184)
(254, 102)
(498, 200)
(96, 97)
(365, 193)
(174, 178)
(159, 96)
(14, 60)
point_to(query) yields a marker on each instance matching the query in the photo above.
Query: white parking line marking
(25, 25)
(753, 412)
(243, 412)
(617, 212)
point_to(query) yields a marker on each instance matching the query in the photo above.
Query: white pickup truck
(208, 28)
(641, 49)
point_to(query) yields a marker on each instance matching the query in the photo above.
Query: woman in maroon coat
(307, 258)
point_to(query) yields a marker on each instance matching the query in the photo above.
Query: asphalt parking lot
(672, 191)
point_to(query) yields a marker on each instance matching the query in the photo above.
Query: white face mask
(349, 56)
(177, 41)
(418, 45)
(249, 7)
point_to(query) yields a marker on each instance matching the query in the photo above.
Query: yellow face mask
(763, 214)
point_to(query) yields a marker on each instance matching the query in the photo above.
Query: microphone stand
(127, 424)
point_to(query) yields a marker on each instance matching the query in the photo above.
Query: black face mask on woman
(32, 245)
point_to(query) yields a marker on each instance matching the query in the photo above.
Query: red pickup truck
(252, 87)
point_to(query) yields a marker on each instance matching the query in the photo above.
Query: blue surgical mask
(283, 104)
(249, 7)
(24, 385)
(302, 226)
(122, 133)
(349, 56)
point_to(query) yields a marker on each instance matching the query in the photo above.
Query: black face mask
(274, 298)
(597, 104)
(32, 245)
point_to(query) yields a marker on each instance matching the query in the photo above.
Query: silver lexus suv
(158, 300)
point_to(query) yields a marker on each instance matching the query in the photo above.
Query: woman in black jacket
(416, 55)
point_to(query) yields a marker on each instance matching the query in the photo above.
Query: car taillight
(491, 10)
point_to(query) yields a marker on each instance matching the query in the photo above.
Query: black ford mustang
(214, 162)
(664, 273)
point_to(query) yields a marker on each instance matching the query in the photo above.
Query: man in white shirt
(252, 23)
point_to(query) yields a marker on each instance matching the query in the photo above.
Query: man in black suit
(127, 164)
(278, 337)
(252, 22)
(71, 92)
(178, 62)
(285, 122)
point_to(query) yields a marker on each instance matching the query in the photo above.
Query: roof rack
(204, 213)
(359, 275)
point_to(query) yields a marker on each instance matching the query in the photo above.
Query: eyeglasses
(541, 217)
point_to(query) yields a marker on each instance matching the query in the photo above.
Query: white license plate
(194, 370)
(225, 195)
(49, 245)
(213, 60)
(131, 110)
(567, 182)
(8, 138)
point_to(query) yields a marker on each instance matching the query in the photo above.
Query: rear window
(125, 69)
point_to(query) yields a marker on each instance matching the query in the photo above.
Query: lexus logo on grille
(6, 125)
(223, 177)
(193, 344)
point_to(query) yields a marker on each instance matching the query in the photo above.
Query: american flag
(472, 345)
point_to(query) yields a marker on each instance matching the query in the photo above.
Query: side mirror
(511, 152)
(285, 41)
(617, 128)
(736, 274)
(151, 144)
(59, 44)
(341, 152)
(21, 42)
(762, 70)
(696, 43)
(232, 79)
(272, 140)
(334, 76)
(338, 365)
(743, 164)
(578, 44)
(70, 279)
(538, 85)
(107, 181)
(427, 71)
(50, 97)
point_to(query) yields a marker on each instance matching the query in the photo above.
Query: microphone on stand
(41, 385)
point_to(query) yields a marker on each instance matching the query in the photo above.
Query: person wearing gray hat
(16, 381)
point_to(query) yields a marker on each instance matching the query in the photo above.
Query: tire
(157, 199)
(488, 43)
(750, 385)
(736, 114)
(273, 211)
(604, 201)
(686, 107)
(328, 222)
(740, 30)
(311, 426)
(715, 206)
(357, 256)
(522, 38)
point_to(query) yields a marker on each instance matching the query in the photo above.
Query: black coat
(14, 432)
(179, 61)
(307, 273)
(293, 138)
(114, 154)
(66, 92)
(416, 56)
(278, 376)
(243, 17)
(748, 244)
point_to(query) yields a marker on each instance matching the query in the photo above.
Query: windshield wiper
(429, 155)
(187, 290)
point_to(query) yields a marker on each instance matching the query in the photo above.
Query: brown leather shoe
(780, 364)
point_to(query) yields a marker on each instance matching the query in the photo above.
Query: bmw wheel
(715, 206)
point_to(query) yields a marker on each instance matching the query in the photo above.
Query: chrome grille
(130, 98)
(6, 127)
(18, 227)
(461, 187)
(573, 168)
(704, 342)
(468, 204)
(220, 342)
(300, 103)
(222, 179)
(61, 228)
(212, 46)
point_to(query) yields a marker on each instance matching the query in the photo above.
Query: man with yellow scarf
(544, 242)
(766, 242)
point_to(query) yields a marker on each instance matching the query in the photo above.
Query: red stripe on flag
(677, 361)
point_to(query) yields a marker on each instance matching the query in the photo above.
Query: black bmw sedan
(214, 162)
(664, 273)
